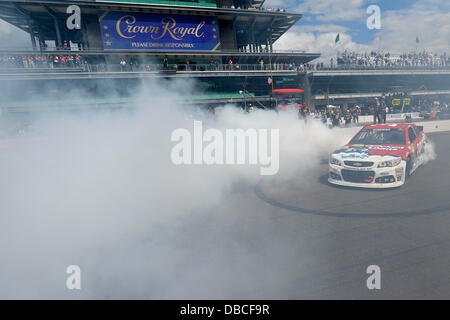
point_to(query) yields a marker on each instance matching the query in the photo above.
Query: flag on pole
(337, 38)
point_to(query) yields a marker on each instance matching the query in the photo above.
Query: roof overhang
(21, 12)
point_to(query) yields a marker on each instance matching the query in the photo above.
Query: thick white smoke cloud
(99, 190)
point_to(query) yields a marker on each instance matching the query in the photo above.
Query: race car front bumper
(390, 177)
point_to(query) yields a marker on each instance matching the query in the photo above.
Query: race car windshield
(380, 136)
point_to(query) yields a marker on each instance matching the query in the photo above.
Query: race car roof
(387, 126)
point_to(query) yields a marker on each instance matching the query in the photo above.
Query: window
(380, 137)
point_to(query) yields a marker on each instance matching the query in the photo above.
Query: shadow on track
(323, 180)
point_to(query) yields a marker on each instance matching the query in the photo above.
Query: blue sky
(401, 22)
(357, 27)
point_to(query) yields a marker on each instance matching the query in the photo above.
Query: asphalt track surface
(296, 239)
(405, 231)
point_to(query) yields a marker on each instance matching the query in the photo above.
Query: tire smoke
(98, 190)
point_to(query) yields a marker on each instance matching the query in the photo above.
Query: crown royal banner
(154, 31)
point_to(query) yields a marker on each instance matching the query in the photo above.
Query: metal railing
(388, 67)
(84, 66)
(49, 66)
(101, 51)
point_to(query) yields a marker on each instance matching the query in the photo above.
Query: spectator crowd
(246, 7)
(347, 60)
(337, 115)
(130, 64)
(41, 61)
(379, 59)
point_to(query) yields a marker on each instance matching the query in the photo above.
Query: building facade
(224, 45)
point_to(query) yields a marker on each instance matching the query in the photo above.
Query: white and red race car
(379, 156)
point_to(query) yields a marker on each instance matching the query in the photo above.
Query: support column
(33, 39)
(270, 41)
(252, 35)
(84, 34)
(56, 25)
(306, 86)
(41, 39)
(58, 33)
(233, 27)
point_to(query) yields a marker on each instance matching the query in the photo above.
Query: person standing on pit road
(324, 116)
(331, 116)
(383, 109)
(301, 114)
(336, 118)
(386, 111)
(348, 118)
(377, 112)
(355, 114)
(305, 112)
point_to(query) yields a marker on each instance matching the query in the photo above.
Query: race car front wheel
(408, 168)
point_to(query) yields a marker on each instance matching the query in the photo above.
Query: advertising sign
(154, 31)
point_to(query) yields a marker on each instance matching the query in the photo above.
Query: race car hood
(360, 152)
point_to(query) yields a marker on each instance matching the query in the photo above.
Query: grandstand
(226, 45)
(234, 53)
